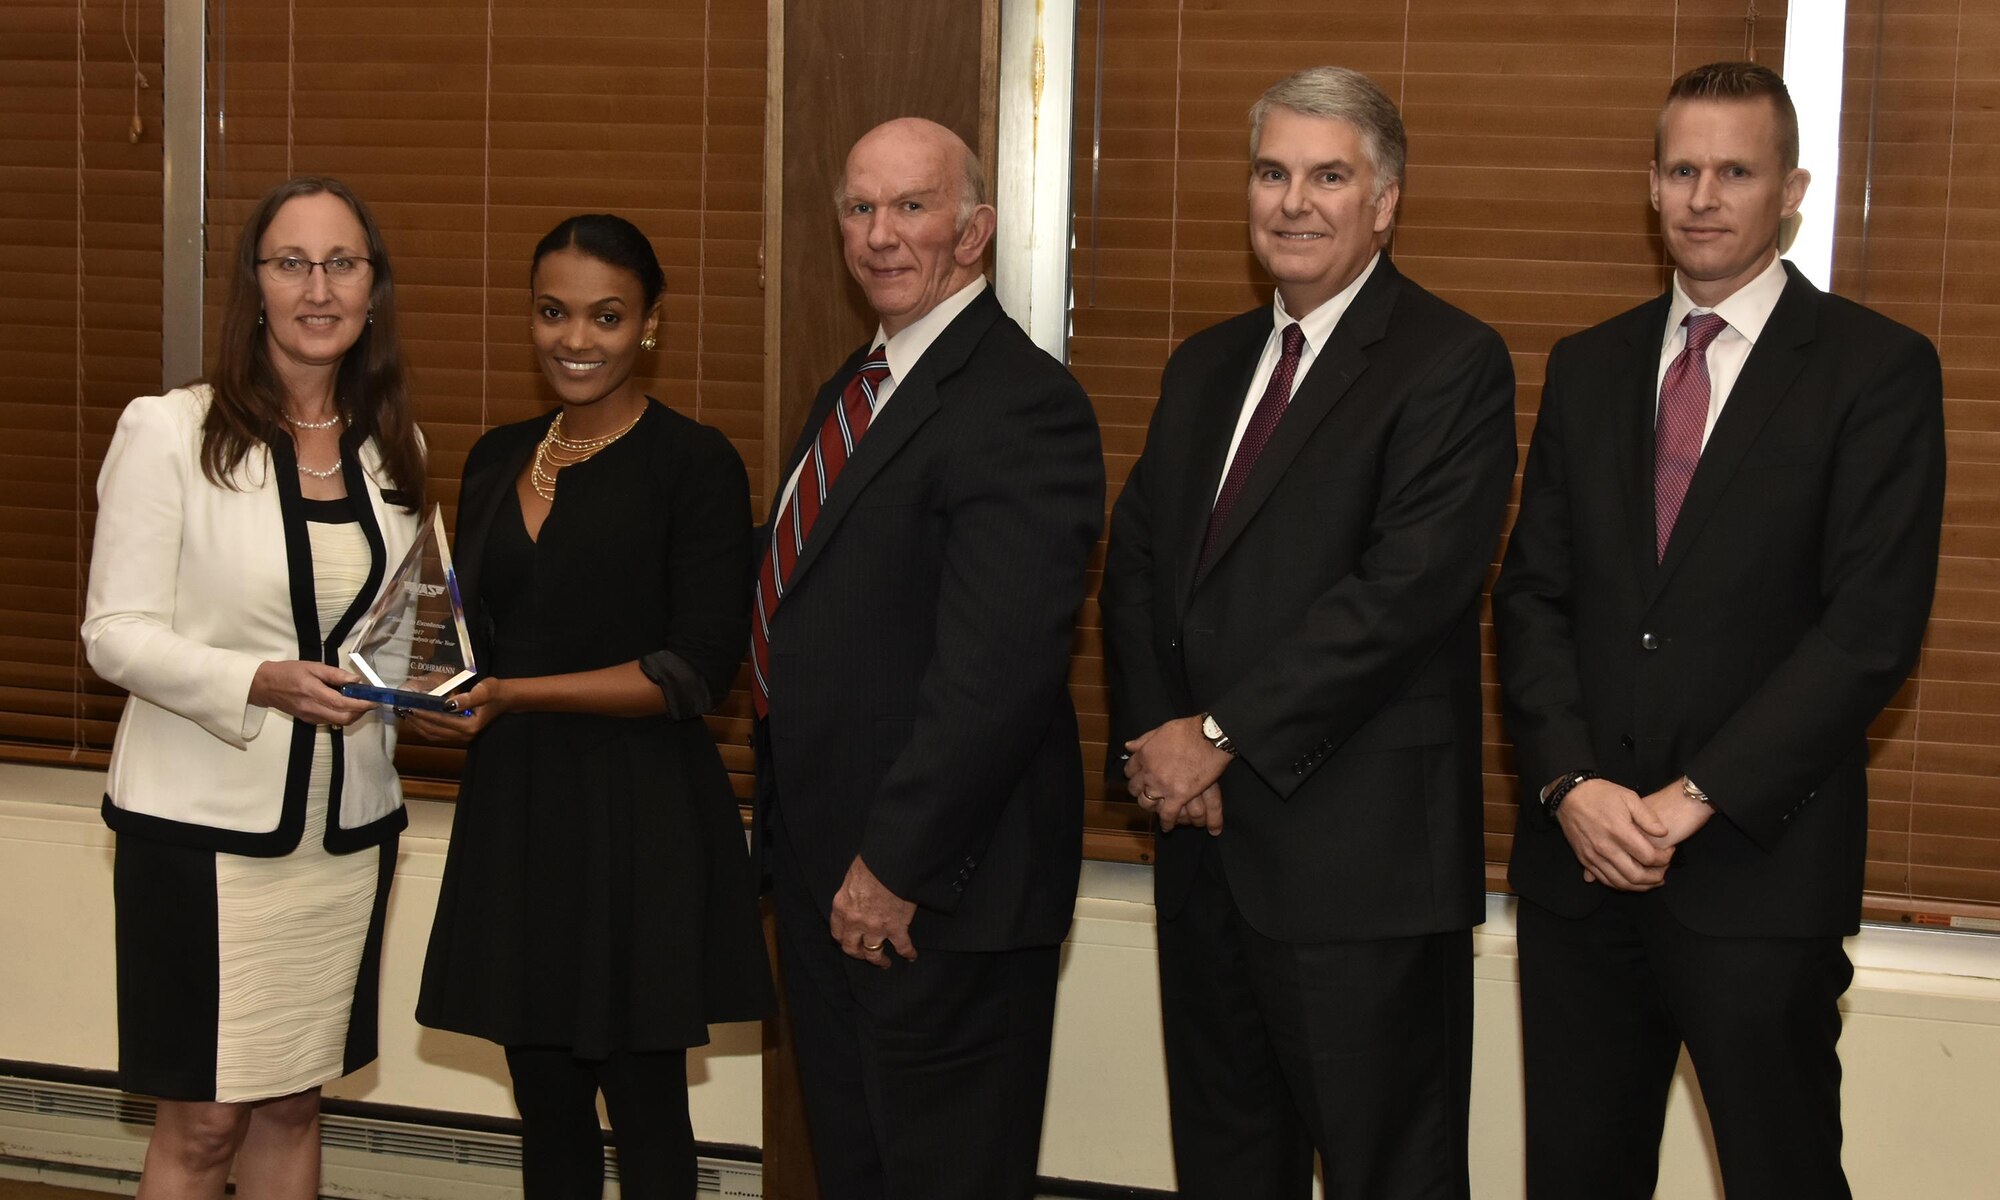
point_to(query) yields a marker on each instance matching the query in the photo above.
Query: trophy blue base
(397, 699)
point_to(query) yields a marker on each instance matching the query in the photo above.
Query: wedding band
(1152, 797)
(402, 712)
(871, 949)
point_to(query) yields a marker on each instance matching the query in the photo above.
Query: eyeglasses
(290, 268)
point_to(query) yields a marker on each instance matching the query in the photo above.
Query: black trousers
(1361, 1050)
(1608, 999)
(922, 1082)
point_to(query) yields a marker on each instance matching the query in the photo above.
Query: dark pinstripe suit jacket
(920, 714)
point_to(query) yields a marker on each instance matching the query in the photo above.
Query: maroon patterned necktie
(1270, 407)
(838, 435)
(1677, 435)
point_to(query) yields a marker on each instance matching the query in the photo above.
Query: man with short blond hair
(1720, 574)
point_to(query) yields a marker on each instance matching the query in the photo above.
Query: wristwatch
(1694, 793)
(1214, 734)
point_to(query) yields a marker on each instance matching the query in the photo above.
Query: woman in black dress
(598, 909)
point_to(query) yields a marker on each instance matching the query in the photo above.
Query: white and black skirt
(242, 978)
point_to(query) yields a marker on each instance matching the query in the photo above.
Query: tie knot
(1703, 328)
(876, 369)
(1294, 340)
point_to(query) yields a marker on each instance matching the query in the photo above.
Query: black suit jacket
(1334, 632)
(1786, 613)
(919, 710)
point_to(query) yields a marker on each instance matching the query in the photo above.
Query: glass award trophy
(412, 646)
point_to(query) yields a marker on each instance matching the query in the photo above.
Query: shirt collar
(1318, 324)
(907, 347)
(1747, 309)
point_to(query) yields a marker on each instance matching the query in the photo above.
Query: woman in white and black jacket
(244, 525)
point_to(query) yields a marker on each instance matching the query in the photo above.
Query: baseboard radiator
(98, 1135)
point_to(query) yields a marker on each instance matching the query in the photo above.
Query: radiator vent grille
(409, 1141)
(389, 1139)
(69, 1100)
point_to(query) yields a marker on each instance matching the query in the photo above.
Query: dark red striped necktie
(1684, 396)
(838, 435)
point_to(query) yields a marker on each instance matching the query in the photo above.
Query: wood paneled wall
(845, 69)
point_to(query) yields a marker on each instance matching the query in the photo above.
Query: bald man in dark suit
(920, 783)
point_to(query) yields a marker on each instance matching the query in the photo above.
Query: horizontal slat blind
(79, 334)
(1530, 127)
(1919, 239)
(471, 128)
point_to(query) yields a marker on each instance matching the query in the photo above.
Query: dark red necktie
(1684, 395)
(1270, 407)
(838, 435)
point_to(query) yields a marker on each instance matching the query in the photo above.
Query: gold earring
(648, 343)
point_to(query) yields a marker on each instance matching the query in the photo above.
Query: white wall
(57, 1003)
(1921, 1044)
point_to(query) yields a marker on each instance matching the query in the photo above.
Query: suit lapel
(1221, 404)
(1633, 414)
(1334, 370)
(914, 402)
(823, 402)
(1774, 362)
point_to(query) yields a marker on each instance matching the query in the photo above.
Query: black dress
(598, 892)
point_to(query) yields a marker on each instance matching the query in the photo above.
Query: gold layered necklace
(557, 452)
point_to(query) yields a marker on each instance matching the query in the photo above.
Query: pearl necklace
(336, 419)
(556, 452)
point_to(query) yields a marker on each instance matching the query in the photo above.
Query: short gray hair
(1346, 95)
(971, 190)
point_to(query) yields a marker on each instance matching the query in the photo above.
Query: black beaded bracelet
(1562, 788)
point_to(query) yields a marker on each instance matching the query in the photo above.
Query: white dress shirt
(1746, 310)
(1317, 326)
(903, 351)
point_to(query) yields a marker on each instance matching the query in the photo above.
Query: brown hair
(1737, 81)
(370, 388)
